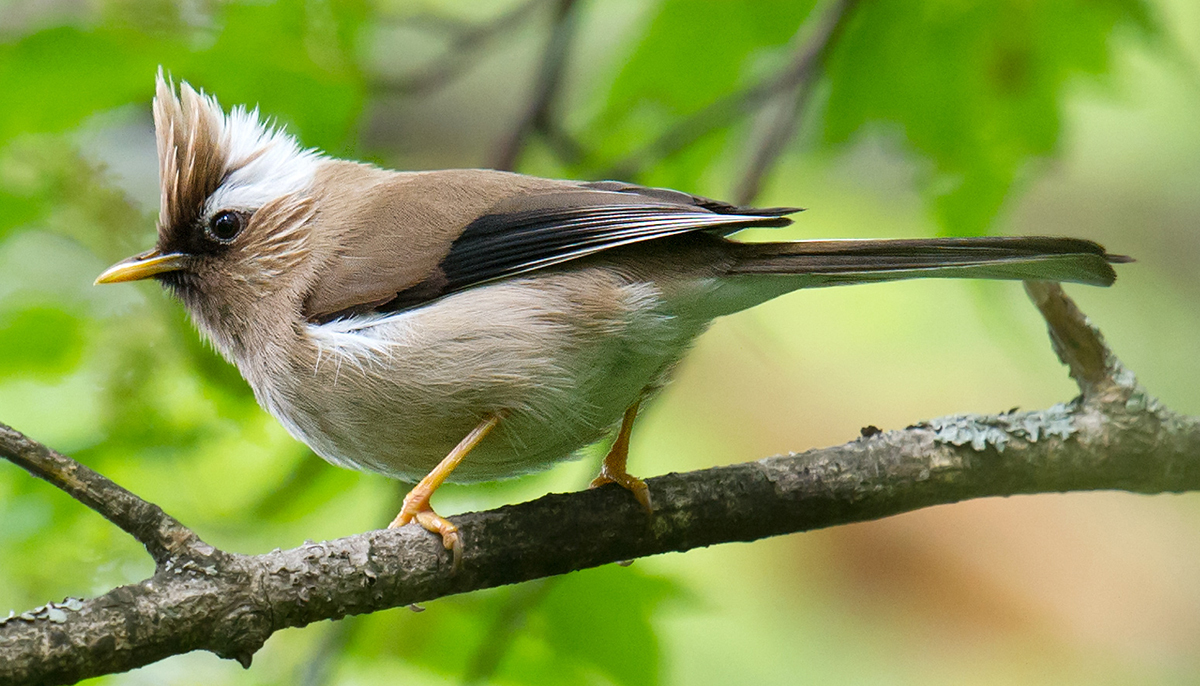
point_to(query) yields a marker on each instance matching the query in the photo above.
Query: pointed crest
(207, 158)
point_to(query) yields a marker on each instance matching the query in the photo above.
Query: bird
(471, 324)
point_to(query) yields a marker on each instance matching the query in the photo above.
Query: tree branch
(1114, 436)
(805, 66)
(1077, 343)
(538, 112)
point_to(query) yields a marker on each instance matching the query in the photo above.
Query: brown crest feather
(191, 161)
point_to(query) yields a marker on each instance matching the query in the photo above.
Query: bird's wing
(533, 232)
(540, 228)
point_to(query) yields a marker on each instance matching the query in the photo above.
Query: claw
(627, 481)
(416, 504)
(613, 469)
(417, 509)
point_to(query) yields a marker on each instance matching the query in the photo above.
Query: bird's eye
(226, 225)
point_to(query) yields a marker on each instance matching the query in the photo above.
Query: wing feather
(533, 229)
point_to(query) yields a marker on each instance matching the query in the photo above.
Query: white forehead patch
(267, 162)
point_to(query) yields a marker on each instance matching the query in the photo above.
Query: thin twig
(163, 535)
(688, 130)
(565, 146)
(464, 47)
(1078, 344)
(549, 79)
(805, 66)
(721, 112)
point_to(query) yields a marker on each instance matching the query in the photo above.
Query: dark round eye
(226, 225)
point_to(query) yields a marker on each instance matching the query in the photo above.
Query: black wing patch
(496, 246)
(534, 232)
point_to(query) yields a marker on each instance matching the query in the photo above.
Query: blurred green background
(937, 117)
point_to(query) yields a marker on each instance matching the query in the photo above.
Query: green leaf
(976, 87)
(568, 629)
(597, 621)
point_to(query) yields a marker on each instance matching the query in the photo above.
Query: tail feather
(832, 262)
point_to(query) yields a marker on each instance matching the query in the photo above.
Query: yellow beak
(143, 266)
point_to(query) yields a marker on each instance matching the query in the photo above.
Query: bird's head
(235, 205)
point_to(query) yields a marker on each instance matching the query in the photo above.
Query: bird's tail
(810, 264)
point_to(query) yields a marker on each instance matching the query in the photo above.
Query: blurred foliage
(681, 65)
(977, 87)
(62, 75)
(40, 342)
(562, 630)
(974, 90)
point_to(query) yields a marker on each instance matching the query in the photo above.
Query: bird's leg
(416, 503)
(613, 469)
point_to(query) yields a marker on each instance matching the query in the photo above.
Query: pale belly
(560, 357)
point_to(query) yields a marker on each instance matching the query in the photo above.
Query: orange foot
(416, 503)
(416, 508)
(613, 469)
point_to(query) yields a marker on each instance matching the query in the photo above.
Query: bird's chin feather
(178, 282)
